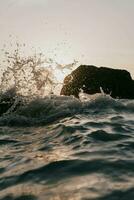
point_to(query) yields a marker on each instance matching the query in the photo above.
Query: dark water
(60, 148)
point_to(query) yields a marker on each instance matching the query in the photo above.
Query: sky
(98, 32)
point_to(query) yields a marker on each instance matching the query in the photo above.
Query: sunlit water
(60, 148)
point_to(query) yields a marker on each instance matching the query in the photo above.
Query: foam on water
(26, 111)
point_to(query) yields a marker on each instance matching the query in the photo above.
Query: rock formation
(116, 82)
(8, 100)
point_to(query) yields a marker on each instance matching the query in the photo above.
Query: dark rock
(118, 83)
(7, 100)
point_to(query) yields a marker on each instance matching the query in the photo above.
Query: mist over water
(56, 147)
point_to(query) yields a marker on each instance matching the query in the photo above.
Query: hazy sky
(99, 32)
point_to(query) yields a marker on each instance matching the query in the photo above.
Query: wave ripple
(68, 149)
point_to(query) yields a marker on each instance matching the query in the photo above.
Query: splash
(32, 76)
(84, 97)
(26, 75)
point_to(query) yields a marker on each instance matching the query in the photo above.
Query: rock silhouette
(116, 82)
(9, 99)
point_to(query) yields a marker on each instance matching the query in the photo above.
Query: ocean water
(56, 147)
(62, 148)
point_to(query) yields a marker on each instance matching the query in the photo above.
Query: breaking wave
(56, 147)
(42, 111)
